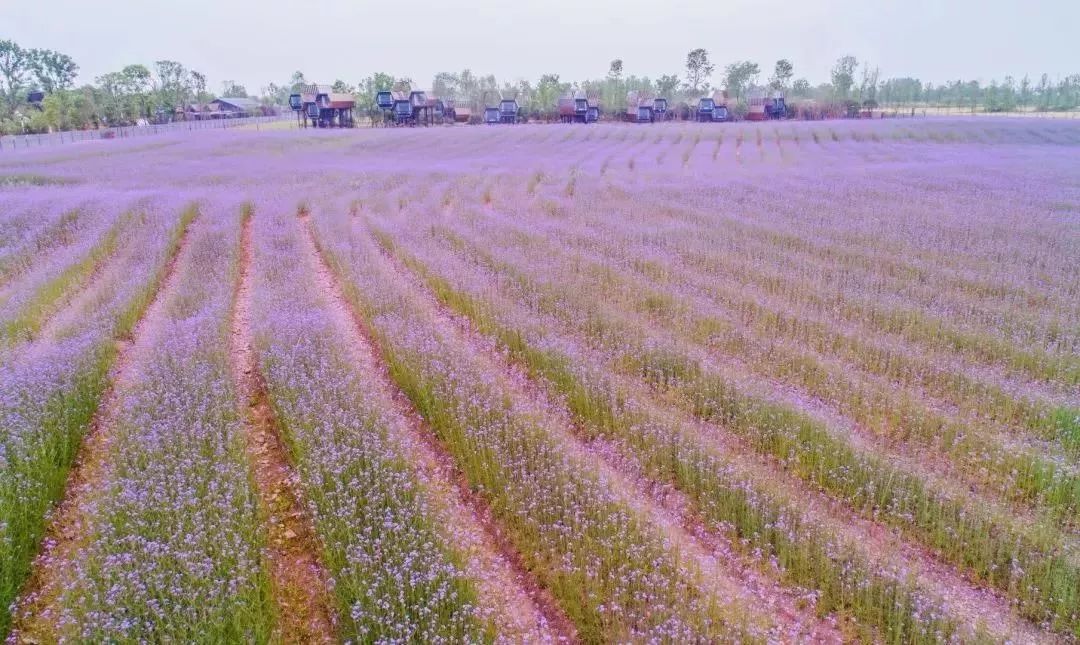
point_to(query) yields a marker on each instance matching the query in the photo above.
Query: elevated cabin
(592, 115)
(296, 102)
(660, 108)
(761, 106)
(338, 106)
(35, 98)
(403, 111)
(565, 109)
(324, 108)
(384, 100)
(705, 107)
(436, 109)
(713, 108)
(508, 111)
(639, 108)
(462, 114)
(395, 106)
(418, 101)
(573, 107)
(492, 115)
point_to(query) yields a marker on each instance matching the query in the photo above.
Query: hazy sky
(258, 41)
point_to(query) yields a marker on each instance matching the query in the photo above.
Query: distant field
(608, 383)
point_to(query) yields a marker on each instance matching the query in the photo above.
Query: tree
(297, 82)
(698, 69)
(1043, 92)
(341, 87)
(172, 84)
(868, 85)
(843, 75)
(69, 109)
(232, 89)
(198, 84)
(548, 91)
(782, 74)
(53, 70)
(616, 97)
(445, 85)
(1025, 92)
(667, 85)
(801, 87)
(616, 69)
(15, 65)
(739, 75)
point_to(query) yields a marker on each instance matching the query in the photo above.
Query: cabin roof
(242, 104)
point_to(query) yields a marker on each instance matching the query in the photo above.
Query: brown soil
(70, 527)
(299, 581)
(510, 595)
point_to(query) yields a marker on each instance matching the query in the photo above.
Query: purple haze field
(784, 382)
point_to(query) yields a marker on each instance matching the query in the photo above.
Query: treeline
(135, 94)
(138, 93)
(849, 81)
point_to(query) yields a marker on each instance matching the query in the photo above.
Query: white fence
(24, 141)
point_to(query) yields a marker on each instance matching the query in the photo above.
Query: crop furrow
(591, 545)
(985, 543)
(52, 392)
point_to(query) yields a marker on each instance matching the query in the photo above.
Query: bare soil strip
(723, 572)
(70, 527)
(298, 578)
(510, 595)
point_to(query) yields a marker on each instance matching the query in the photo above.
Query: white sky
(258, 41)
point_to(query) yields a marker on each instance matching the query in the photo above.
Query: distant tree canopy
(782, 73)
(141, 93)
(698, 70)
(739, 76)
(843, 76)
(234, 90)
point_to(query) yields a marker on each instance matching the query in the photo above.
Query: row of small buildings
(319, 106)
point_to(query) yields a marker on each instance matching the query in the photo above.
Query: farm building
(230, 107)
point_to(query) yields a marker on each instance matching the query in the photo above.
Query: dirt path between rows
(36, 612)
(724, 573)
(299, 580)
(510, 595)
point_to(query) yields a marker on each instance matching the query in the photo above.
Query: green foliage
(698, 70)
(738, 76)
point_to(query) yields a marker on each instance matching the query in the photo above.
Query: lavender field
(792, 382)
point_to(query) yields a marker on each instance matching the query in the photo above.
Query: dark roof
(238, 103)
